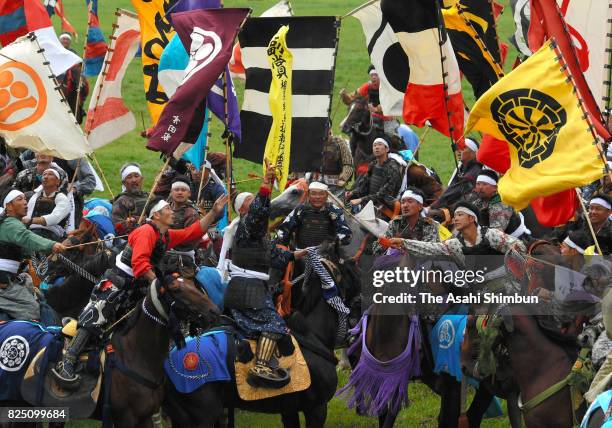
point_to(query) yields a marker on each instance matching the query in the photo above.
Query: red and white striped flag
(108, 118)
(417, 25)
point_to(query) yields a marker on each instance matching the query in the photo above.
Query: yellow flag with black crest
(535, 108)
(278, 145)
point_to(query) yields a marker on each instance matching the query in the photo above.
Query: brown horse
(137, 378)
(553, 363)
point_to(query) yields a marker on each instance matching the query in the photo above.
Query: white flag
(34, 115)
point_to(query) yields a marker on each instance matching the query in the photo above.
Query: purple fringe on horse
(378, 385)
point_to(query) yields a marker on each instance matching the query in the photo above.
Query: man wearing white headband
(17, 243)
(50, 211)
(493, 212)
(128, 205)
(247, 297)
(411, 224)
(212, 187)
(315, 221)
(464, 178)
(185, 214)
(382, 181)
(30, 177)
(471, 240)
(370, 91)
(600, 210)
(134, 268)
(65, 39)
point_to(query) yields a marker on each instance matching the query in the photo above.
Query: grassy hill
(351, 71)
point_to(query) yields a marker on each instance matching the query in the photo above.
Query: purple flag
(187, 5)
(215, 104)
(208, 35)
(215, 99)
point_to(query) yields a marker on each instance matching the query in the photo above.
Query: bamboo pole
(159, 175)
(208, 120)
(588, 220)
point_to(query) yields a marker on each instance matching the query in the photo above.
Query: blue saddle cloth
(196, 364)
(446, 338)
(20, 341)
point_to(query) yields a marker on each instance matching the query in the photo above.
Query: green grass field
(351, 71)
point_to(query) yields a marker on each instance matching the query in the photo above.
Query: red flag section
(208, 36)
(555, 210)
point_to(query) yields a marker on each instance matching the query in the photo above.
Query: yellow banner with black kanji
(155, 33)
(278, 145)
(535, 108)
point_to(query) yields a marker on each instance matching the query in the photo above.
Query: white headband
(158, 207)
(381, 141)
(471, 144)
(240, 200)
(178, 184)
(567, 241)
(602, 202)
(486, 179)
(466, 211)
(12, 195)
(410, 194)
(65, 36)
(317, 185)
(54, 172)
(372, 71)
(130, 169)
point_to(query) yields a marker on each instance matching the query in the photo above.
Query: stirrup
(261, 376)
(67, 383)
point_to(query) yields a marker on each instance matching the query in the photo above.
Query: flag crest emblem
(23, 99)
(530, 120)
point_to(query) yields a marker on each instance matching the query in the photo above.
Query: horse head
(291, 197)
(187, 301)
(358, 119)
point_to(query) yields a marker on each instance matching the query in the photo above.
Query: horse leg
(514, 413)
(290, 419)
(387, 419)
(479, 406)
(315, 417)
(449, 406)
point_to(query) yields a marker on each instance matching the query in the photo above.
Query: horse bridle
(355, 127)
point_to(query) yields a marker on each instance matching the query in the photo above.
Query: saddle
(39, 386)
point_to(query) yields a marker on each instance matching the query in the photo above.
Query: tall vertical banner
(156, 32)
(96, 47)
(312, 42)
(278, 145)
(108, 118)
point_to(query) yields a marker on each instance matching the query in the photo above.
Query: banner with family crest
(278, 145)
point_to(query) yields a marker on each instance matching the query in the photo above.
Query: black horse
(359, 125)
(314, 324)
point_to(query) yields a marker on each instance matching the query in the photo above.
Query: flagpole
(157, 178)
(445, 86)
(588, 220)
(227, 141)
(205, 150)
(358, 8)
(95, 159)
(78, 94)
